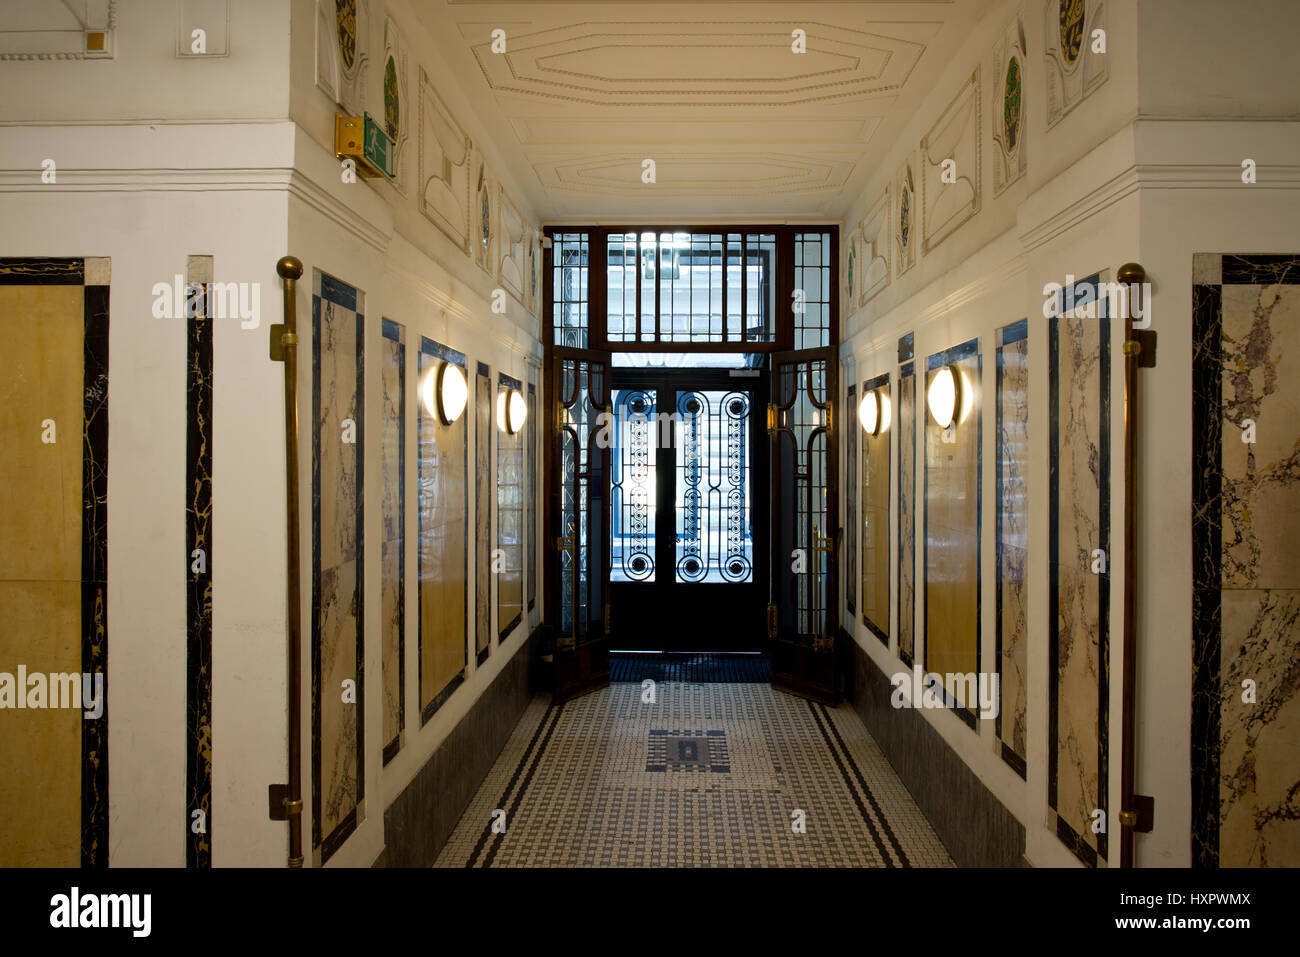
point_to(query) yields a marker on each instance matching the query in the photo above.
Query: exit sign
(365, 141)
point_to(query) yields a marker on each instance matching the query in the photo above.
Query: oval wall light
(445, 392)
(943, 395)
(869, 413)
(884, 412)
(512, 410)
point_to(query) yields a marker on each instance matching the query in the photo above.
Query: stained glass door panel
(803, 615)
(580, 520)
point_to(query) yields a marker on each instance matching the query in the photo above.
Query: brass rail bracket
(1142, 818)
(279, 805)
(1147, 339)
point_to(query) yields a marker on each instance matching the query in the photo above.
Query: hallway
(708, 775)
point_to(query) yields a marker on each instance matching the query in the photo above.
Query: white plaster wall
(146, 80)
(111, 200)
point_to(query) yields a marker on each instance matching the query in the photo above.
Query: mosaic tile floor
(708, 775)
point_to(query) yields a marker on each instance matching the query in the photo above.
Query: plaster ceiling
(740, 127)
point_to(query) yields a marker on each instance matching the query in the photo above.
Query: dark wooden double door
(692, 510)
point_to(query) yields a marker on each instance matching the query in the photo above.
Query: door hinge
(772, 417)
(606, 618)
(771, 621)
(1142, 817)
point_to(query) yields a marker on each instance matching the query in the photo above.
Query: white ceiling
(740, 127)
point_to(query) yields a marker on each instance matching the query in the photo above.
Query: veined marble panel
(907, 513)
(1079, 649)
(392, 372)
(530, 512)
(1245, 526)
(54, 563)
(483, 512)
(198, 584)
(952, 524)
(876, 552)
(444, 524)
(338, 686)
(510, 520)
(851, 491)
(1013, 540)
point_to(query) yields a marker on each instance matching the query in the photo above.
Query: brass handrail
(290, 270)
(1136, 811)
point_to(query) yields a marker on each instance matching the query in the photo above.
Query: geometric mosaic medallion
(699, 751)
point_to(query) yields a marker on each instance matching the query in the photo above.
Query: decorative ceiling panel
(748, 109)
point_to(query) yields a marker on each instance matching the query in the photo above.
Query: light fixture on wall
(944, 395)
(873, 412)
(869, 413)
(512, 410)
(445, 392)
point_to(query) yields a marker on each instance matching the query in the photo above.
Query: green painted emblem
(392, 104)
(905, 211)
(1011, 105)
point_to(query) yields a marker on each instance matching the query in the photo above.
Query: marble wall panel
(198, 585)
(509, 573)
(483, 496)
(906, 427)
(1012, 637)
(851, 492)
(444, 543)
(1079, 591)
(53, 567)
(392, 576)
(338, 709)
(530, 523)
(952, 517)
(876, 552)
(1245, 530)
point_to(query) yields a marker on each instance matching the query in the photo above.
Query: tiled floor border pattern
(873, 821)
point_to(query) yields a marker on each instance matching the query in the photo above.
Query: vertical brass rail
(290, 270)
(1135, 810)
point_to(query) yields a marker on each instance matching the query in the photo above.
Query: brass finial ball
(1128, 273)
(289, 267)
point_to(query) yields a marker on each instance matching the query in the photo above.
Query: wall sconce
(944, 395)
(512, 410)
(873, 412)
(445, 392)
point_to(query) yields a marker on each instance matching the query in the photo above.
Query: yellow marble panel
(443, 543)
(42, 329)
(875, 528)
(952, 582)
(40, 750)
(338, 717)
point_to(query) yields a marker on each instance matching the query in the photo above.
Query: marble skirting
(421, 819)
(974, 826)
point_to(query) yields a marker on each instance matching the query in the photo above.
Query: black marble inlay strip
(906, 351)
(315, 572)
(523, 785)
(483, 512)
(1071, 839)
(531, 490)
(94, 572)
(1207, 558)
(198, 559)
(393, 332)
(1103, 585)
(1053, 551)
(1261, 270)
(906, 536)
(851, 497)
(862, 783)
(37, 271)
(548, 719)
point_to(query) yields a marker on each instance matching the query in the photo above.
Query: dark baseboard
(419, 822)
(975, 827)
